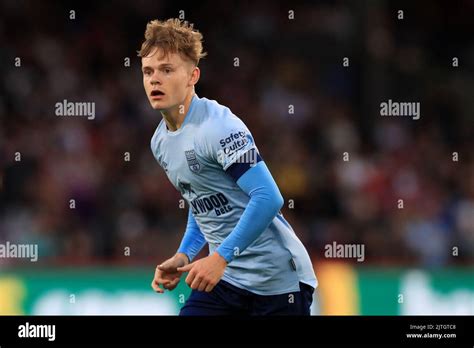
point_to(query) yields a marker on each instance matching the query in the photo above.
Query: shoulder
(218, 120)
(211, 111)
(156, 138)
(223, 137)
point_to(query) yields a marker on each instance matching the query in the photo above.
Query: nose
(155, 80)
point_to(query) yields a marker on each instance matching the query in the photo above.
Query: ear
(195, 74)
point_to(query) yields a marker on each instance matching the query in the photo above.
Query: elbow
(277, 201)
(270, 198)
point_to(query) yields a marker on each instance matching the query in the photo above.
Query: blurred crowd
(90, 191)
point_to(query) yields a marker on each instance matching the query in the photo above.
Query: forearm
(193, 240)
(183, 257)
(264, 204)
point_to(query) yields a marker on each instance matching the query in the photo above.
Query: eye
(167, 70)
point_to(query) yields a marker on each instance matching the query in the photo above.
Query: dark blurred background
(283, 62)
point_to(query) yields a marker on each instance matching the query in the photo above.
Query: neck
(174, 116)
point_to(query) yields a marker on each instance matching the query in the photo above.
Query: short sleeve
(229, 141)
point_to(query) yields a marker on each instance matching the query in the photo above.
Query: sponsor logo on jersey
(234, 142)
(186, 190)
(216, 202)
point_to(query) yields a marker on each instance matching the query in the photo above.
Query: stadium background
(410, 266)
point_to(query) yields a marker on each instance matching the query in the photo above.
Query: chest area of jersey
(183, 165)
(201, 183)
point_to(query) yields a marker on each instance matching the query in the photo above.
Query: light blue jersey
(196, 157)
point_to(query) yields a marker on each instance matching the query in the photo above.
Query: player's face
(167, 79)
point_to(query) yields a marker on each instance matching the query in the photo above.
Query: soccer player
(256, 263)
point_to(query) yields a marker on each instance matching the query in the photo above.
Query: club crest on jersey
(193, 163)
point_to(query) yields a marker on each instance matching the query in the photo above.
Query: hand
(205, 273)
(167, 273)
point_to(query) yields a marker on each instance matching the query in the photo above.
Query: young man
(256, 263)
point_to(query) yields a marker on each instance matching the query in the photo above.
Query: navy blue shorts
(227, 299)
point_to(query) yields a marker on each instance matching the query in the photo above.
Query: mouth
(157, 94)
